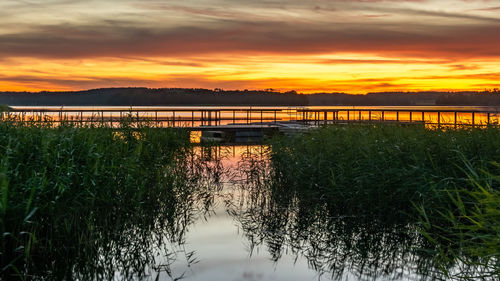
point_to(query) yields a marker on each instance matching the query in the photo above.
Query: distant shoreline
(206, 97)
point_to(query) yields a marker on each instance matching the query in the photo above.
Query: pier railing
(198, 118)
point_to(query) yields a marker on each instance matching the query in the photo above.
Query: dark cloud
(463, 67)
(74, 82)
(377, 61)
(488, 9)
(493, 76)
(194, 80)
(232, 37)
(440, 14)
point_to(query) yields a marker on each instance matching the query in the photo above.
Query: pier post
(314, 116)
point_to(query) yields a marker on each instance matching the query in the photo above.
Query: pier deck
(202, 119)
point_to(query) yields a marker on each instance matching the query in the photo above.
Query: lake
(144, 204)
(243, 234)
(193, 116)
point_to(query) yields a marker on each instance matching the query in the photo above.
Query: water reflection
(120, 240)
(336, 245)
(221, 214)
(432, 116)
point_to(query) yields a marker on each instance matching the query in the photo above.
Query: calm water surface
(222, 250)
(185, 116)
(223, 221)
(248, 234)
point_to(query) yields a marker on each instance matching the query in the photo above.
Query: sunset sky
(309, 46)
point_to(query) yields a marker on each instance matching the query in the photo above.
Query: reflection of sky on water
(167, 116)
(221, 248)
(223, 254)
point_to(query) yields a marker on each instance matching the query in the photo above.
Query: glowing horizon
(319, 46)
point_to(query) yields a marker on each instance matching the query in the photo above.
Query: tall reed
(336, 243)
(466, 232)
(86, 202)
(408, 176)
(381, 169)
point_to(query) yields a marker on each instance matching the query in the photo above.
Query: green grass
(381, 169)
(406, 176)
(467, 232)
(4, 108)
(82, 202)
(376, 199)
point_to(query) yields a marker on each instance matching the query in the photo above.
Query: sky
(355, 46)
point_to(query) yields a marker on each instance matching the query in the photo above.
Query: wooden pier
(202, 119)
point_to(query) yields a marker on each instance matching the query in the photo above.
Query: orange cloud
(348, 46)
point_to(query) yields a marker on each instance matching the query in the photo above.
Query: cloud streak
(251, 38)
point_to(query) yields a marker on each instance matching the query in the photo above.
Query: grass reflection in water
(90, 203)
(352, 201)
(295, 221)
(362, 202)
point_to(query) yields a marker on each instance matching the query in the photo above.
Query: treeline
(486, 98)
(181, 96)
(150, 97)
